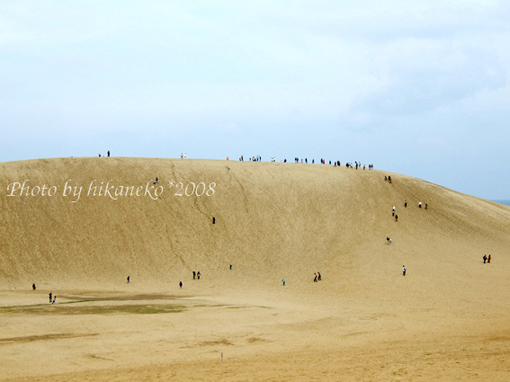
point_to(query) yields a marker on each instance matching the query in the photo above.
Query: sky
(414, 87)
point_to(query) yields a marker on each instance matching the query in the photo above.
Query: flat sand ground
(138, 335)
(448, 319)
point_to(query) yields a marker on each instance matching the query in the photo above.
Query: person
(388, 240)
(108, 153)
(405, 204)
(198, 275)
(419, 205)
(404, 270)
(396, 218)
(33, 287)
(319, 276)
(128, 279)
(315, 277)
(194, 274)
(54, 299)
(50, 295)
(489, 258)
(385, 178)
(484, 259)
(389, 179)
(214, 220)
(426, 206)
(180, 284)
(230, 266)
(283, 282)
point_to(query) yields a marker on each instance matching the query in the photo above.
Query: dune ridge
(273, 221)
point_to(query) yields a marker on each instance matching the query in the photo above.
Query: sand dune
(447, 319)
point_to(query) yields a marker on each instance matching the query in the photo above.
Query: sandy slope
(448, 319)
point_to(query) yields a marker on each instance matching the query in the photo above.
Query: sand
(447, 319)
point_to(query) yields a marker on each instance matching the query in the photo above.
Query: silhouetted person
(230, 266)
(489, 258)
(33, 287)
(194, 274)
(50, 295)
(198, 275)
(283, 282)
(214, 220)
(404, 270)
(108, 153)
(319, 276)
(315, 277)
(180, 284)
(128, 279)
(405, 204)
(484, 259)
(396, 218)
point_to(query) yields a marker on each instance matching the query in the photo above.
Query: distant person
(230, 266)
(319, 276)
(404, 270)
(198, 275)
(419, 205)
(50, 296)
(396, 218)
(214, 220)
(33, 287)
(108, 153)
(426, 206)
(389, 179)
(315, 277)
(484, 259)
(489, 258)
(194, 274)
(283, 282)
(405, 204)
(54, 299)
(388, 240)
(385, 178)
(180, 284)
(128, 279)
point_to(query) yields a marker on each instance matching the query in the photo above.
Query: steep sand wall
(273, 220)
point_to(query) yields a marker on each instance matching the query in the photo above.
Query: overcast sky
(414, 87)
